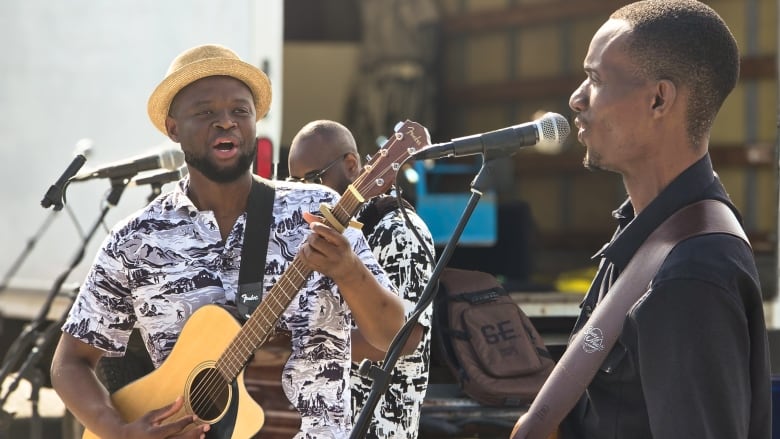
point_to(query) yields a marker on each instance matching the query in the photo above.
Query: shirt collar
(695, 183)
(178, 200)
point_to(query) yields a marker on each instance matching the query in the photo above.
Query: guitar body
(189, 371)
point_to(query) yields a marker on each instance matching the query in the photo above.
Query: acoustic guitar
(206, 366)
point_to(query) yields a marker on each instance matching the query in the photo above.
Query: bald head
(325, 149)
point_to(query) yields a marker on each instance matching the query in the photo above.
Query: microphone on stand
(84, 147)
(54, 196)
(158, 179)
(546, 134)
(124, 170)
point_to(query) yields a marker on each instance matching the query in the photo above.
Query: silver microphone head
(553, 129)
(171, 158)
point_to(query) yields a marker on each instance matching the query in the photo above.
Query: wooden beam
(525, 15)
(753, 68)
(570, 162)
(511, 91)
(758, 67)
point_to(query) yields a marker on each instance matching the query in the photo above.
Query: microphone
(169, 159)
(546, 133)
(159, 178)
(84, 147)
(53, 196)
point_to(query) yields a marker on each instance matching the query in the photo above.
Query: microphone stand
(381, 375)
(31, 242)
(35, 338)
(156, 190)
(27, 250)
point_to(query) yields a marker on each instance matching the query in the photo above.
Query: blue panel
(441, 212)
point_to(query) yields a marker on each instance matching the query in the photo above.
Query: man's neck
(643, 186)
(226, 200)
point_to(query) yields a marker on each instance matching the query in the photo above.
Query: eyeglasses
(315, 176)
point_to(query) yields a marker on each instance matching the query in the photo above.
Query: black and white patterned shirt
(166, 261)
(397, 413)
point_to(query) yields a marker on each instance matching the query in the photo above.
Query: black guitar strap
(259, 212)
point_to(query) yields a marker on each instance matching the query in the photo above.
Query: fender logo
(417, 139)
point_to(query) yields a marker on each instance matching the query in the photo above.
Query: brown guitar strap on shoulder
(259, 212)
(590, 346)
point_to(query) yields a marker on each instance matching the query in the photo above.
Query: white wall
(84, 69)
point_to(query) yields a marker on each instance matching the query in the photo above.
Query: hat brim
(162, 96)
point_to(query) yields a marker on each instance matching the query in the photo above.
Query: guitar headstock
(380, 172)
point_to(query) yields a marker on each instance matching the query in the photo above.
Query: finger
(311, 218)
(179, 428)
(157, 416)
(329, 234)
(199, 433)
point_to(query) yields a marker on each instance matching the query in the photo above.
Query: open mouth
(225, 146)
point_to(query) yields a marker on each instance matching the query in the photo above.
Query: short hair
(330, 131)
(688, 43)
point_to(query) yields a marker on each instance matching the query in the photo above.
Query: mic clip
(55, 196)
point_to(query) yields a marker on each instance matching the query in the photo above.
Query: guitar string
(211, 389)
(219, 382)
(228, 362)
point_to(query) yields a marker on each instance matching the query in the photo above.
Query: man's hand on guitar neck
(378, 312)
(328, 251)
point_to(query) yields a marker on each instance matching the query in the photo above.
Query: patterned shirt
(397, 413)
(163, 263)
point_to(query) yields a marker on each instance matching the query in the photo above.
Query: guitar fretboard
(262, 321)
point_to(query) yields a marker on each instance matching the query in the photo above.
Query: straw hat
(200, 62)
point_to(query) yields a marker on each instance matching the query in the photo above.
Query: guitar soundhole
(209, 394)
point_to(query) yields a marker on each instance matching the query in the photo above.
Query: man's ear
(352, 161)
(665, 97)
(170, 126)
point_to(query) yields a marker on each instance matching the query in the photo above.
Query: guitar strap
(590, 346)
(259, 212)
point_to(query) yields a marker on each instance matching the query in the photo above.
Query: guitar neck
(262, 321)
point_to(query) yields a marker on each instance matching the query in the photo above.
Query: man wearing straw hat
(183, 252)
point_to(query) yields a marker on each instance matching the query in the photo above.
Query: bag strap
(590, 346)
(376, 209)
(259, 212)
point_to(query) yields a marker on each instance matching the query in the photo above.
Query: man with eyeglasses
(324, 152)
(315, 176)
